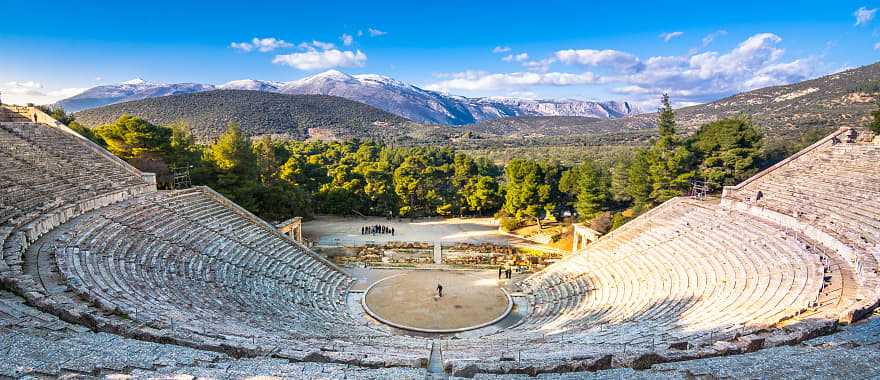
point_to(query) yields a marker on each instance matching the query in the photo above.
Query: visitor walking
(499, 272)
(440, 290)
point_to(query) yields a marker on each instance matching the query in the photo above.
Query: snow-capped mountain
(134, 89)
(378, 91)
(426, 106)
(251, 84)
(386, 94)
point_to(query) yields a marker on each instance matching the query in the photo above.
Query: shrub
(508, 223)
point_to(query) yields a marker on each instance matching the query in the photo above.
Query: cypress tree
(666, 120)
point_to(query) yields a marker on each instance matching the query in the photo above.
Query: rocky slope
(837, 100)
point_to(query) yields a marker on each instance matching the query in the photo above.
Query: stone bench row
(169, 258)
(831, 194)
(698, 271)
(47, 178)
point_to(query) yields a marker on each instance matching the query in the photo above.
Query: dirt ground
(469, 299)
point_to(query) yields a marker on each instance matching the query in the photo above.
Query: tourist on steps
(440, 290)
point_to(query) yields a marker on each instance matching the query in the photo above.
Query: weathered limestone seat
(829, 193)
(689, 272)
(47, 178)
(191, 278)
(211, 262)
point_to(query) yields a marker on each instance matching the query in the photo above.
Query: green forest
(277, 179)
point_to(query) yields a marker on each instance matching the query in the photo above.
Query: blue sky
(697, 51)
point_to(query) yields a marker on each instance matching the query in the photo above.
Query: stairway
(435, 363)
(438, 253)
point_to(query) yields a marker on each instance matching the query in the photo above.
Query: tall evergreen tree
(233, 153)
(594, 190)
(728, 150)
(183, 150)
(620, 180)
(671, 162)
(666, 119)
(264, 152)
(638, 184)
(875, 121)
(528, 194)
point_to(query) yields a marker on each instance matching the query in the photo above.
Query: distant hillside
(294, 116)
(538, 126)
(379, 91)
(837, 100)
(134, 89)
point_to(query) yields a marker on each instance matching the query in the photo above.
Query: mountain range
(841, 99)
(399, 98)
(299, 117)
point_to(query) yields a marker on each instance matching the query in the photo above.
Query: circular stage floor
(409, 301)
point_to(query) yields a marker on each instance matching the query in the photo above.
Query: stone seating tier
(48, 177)
(831, 194)
(692, 273)
(87, 240)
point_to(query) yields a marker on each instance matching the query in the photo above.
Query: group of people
(377, 229)
(507, 273)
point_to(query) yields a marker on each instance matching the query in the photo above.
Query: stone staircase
(435, 369)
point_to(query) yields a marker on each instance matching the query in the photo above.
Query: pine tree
(666, 120)
(131, 137)
(233, 152)
(671, 162)
(639, 185)
(875, 123)
(593, 195)
(728, 150)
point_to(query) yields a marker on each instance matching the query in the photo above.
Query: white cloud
(877, 46)
(23, 92)
(780, 73)
(500, 49)
(864, 15)
(481, 80)
(376, 32)
(709, 38)
(515, 58)
(262, 44)
(360, 33)
(65, 92)
(754, 63)
(241, 46)
(590, 57)
(318, 60)
(346, 39)
(689, 78)
(323, 45)
(25, 85)
(666, 37)
(542, 65)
